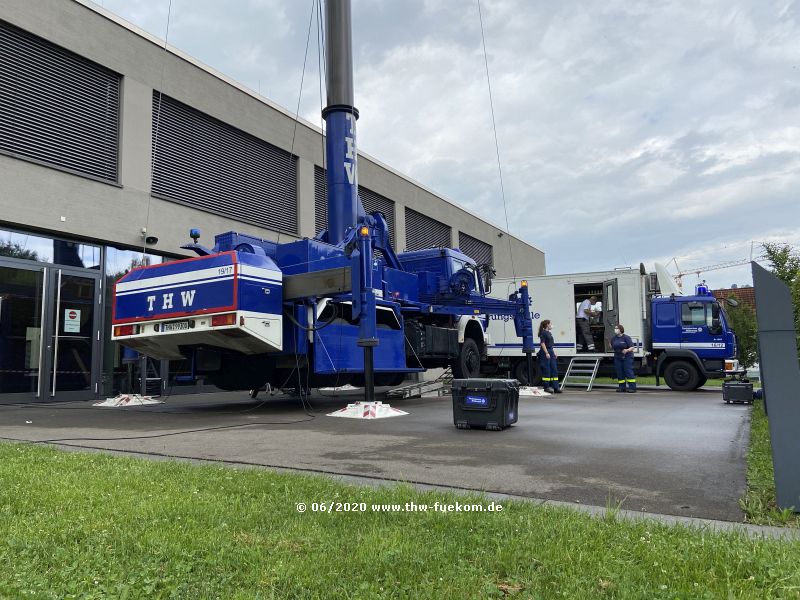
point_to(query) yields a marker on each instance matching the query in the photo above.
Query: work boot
(557, 390)
(549, 390)
(631, 388)
(621, 388)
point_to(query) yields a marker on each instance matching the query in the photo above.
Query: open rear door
(610, 310)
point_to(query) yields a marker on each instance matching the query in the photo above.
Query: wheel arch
(668, 356)
(472, 328)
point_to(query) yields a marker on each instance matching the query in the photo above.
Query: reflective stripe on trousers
(549, 369)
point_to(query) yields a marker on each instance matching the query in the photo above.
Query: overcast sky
(629, 131)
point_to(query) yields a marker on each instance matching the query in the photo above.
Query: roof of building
(745, 295)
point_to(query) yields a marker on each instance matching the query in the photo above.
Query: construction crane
(678, 277)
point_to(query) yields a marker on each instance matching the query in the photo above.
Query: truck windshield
(699, 314)
(694, 314)
(457, 264)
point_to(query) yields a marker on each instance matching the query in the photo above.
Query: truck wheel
(468, 363)
(520, 372)
(681, 376)
(702, 381)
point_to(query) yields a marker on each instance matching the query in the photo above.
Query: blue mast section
(340, 119)
(344, 208)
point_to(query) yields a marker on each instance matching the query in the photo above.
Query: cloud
(627, 129)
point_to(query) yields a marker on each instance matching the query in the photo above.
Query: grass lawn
(91, 525)
(759, 501)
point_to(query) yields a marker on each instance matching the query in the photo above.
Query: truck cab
(449, 277)
(692, 340)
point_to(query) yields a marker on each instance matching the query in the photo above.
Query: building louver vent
(376, 203)
(207, 164)
(372, 202)
(479, 251)
(320, 200)
(424, 232)
(56, 107)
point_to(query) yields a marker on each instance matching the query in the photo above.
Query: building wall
(37, 197)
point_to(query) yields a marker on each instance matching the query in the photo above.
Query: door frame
(50, 273)
(57, 272)
(43, 268)
(610, 317)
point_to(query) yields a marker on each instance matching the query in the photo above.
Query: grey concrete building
(112, 148)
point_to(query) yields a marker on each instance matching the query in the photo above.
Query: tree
(784, 260)
(743, 322)
(785, 263)
(9, 248)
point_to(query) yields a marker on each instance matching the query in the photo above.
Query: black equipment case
(485, 403)
(737, 391)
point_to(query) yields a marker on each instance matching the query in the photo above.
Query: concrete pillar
(399, 227)
(136, 135)
(306, 206)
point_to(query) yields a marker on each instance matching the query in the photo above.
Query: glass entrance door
(23, 302)
(49, 332)
(73, 334)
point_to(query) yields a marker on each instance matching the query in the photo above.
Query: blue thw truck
(340, 308)
(682, 339)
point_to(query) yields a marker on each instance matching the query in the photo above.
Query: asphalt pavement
(654, 451)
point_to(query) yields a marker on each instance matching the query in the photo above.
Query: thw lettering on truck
(187, 299)
(350, 167)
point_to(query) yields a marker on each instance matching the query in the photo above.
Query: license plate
(175, 326)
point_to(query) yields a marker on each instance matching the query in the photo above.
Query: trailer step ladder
(584, 369)
(440, 386)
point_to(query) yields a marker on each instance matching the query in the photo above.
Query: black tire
(703, 380)
(520, 372)
(468, 363)
(682, 376)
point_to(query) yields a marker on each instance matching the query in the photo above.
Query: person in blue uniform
(623, 359)
(548, 362)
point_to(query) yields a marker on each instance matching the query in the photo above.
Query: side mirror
(488, 274)
(733, 302)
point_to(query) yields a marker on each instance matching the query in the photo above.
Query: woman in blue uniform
(548, 362)
(623, 359)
